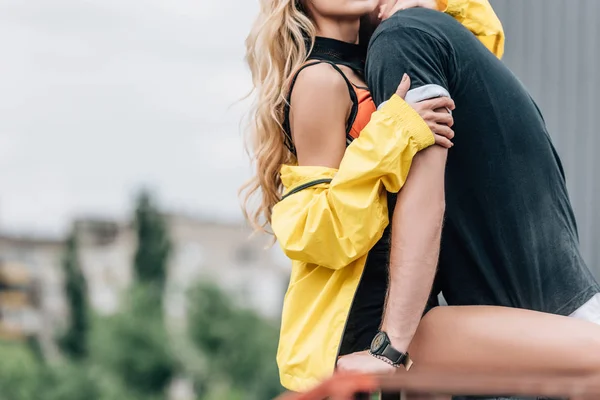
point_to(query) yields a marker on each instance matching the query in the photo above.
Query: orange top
(362, 107)
(366, 107)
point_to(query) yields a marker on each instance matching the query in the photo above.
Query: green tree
(154, 246)
(133, 346)
(75, 340)
(239, 344)
(68, 381)
(20, 372)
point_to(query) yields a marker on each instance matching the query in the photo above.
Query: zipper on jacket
(306, 186)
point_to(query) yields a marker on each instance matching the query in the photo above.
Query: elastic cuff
(406, 117)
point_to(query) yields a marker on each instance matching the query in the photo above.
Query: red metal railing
(444, 384)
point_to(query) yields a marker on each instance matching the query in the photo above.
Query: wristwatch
(381, 348)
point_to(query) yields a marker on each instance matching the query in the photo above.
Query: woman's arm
(338, 219)
(478, 16)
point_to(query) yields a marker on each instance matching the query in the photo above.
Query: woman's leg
(498, 339)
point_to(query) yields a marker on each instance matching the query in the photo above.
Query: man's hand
(389, 9)
(365, 363)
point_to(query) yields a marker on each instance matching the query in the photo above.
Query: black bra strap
(286, 121)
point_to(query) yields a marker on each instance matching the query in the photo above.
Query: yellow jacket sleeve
(331, 217)
(479, 17)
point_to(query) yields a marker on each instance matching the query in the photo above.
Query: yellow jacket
(479, 17)
(329, 219)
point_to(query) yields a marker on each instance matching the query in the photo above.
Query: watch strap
(392, 354)
(393, 357)
(407, 363)
(382, 349)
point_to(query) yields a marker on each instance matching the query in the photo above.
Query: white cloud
(101, 96)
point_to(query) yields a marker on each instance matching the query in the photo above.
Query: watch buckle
(409, 363)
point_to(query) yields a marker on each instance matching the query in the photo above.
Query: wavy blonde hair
(275, 48)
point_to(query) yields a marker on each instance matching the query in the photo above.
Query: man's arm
(417, 221)
(416, 232)
(420, 207)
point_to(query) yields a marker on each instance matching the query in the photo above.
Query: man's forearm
(416, 232)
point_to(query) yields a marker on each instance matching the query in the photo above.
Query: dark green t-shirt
(510, 236)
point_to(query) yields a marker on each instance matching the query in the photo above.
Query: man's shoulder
(421, 20)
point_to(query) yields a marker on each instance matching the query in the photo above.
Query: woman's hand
(435, 113)
(388, 10)
(364, 362)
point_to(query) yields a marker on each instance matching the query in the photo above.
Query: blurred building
(32, 299)
(554, 48)
(31, 290)
(202, 249)
(31, 275)
(226, 253)
(15, 300)
(106, 251)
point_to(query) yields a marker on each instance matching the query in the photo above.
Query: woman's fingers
(404, 86)
(439, 102)
(443, 141)
(442, 130)
(437, 117)
(443, 117)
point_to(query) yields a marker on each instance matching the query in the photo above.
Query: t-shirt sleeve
(398, 50)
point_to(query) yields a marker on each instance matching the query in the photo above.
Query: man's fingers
(382, 11)
(404, 86)
(387, 11)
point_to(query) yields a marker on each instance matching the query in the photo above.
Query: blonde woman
(323, 171)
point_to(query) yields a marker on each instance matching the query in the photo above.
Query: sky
(101, 97)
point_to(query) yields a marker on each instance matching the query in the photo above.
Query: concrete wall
(553, 46)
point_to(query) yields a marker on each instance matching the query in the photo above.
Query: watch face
(379, 341)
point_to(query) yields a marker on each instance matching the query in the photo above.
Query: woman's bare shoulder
(320, 105)
(320, 79)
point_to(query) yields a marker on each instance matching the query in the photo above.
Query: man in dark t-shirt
(509, 235)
